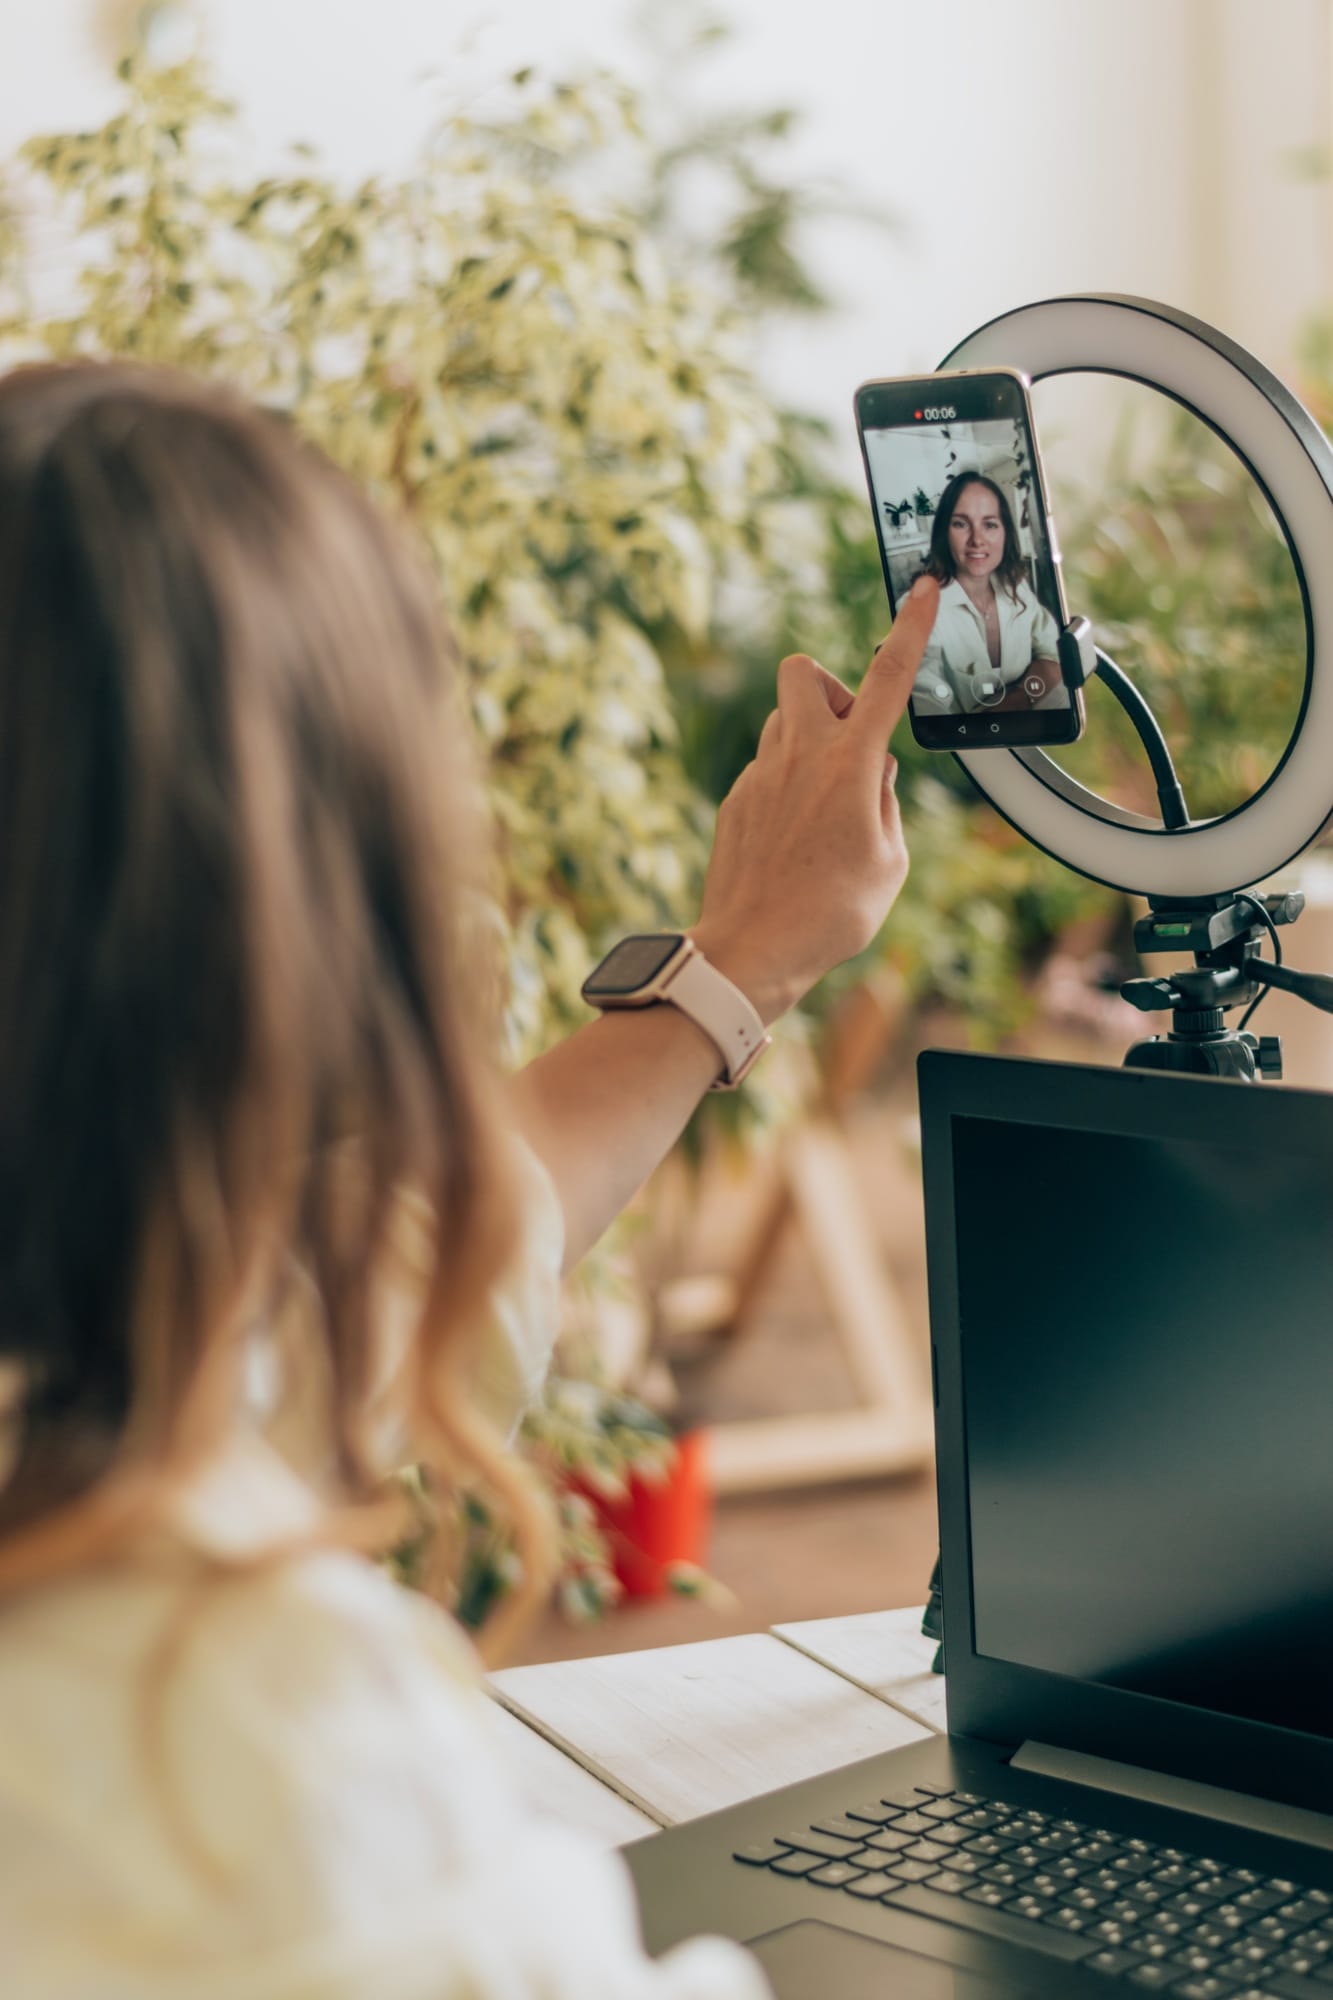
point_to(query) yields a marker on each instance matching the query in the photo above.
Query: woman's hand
(809, 854)
(808, 857)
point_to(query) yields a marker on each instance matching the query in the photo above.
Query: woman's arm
(806, 863)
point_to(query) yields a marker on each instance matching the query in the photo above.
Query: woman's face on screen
(976, 532)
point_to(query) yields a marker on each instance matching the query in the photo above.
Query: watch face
(631, 964)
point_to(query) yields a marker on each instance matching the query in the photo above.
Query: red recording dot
(918, 416)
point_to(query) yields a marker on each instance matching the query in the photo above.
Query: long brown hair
(236, 1017)
(1010, 570)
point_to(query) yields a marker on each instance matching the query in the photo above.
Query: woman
(995, 644)
(272, 1224)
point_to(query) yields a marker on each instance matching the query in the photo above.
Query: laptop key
(874, 1812)
(836, 1875)
(912, 1871)
(1202, 1986)
(760, 1853)
(840, 1829)
(1297, 1959)
(993, 1894)
(1042, 1884)
(888, 1842)
(1153, 1975)
(945, 1882)
(1253, 1951)
(926, 1850)
(811, 1840)
(914, 1822)
(796, 1864)
(985, 1843)
(1195, 1959)
(1262, 1899)
(1112, 1961)
(1189, 1903)
(870, 1887)
(1179, 1875)
(1213, 1937)
(1032, 1907)
(1307, 1909)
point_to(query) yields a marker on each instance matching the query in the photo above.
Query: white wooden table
(627, 1742)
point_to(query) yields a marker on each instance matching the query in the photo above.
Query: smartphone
(957, 491)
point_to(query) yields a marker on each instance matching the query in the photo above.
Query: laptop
(1131, 1305)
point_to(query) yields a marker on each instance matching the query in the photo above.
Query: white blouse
(306, 1801)
(956, 675)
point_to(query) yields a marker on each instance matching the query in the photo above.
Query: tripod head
(1224, 932)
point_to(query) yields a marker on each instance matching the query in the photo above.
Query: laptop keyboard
(1157, 1918)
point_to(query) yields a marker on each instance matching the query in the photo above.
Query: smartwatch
(644, 970)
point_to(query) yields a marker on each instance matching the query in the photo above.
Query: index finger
(882, 695)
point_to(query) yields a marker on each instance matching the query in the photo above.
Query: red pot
(659, 1521)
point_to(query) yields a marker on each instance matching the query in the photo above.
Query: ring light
(1253, 413)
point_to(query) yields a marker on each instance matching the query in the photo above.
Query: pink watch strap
(722, 1011)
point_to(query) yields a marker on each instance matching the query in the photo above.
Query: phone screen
(956, 489)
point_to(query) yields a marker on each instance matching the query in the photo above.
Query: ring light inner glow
(1182, 537)
(1292, 462)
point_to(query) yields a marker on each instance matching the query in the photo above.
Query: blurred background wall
(1026, 147)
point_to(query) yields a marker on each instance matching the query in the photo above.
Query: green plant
(588, 1439)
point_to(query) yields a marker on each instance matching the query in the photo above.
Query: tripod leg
(932, 1623)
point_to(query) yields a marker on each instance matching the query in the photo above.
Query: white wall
(1030, 146)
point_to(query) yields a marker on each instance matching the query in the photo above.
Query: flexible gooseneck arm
(1170, 796)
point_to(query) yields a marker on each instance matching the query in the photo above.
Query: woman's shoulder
(264, 1661)
(301, 1732)
(286, 1783)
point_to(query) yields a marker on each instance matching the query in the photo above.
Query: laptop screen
(1146, 1337)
